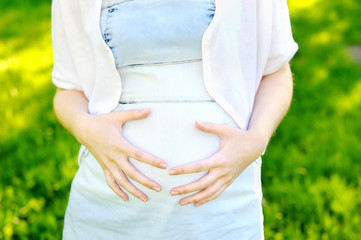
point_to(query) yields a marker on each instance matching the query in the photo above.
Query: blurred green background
(311, 169)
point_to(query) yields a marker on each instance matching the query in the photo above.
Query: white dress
(157, 50)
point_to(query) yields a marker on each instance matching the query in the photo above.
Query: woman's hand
(102, 135)
(238, 149)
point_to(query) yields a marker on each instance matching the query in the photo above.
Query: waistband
(109, 3)
(167, 83)
(134, 101)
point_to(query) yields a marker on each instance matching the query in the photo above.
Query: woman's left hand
(238, 149)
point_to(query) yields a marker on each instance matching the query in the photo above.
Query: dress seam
(106, 28)
(160, 64)
(166, 101)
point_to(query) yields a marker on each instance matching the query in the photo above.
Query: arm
(272, 101)
(239, 148)
(101, 134)
(70, 106)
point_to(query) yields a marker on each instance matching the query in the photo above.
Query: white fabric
(245, 40)
(95, 212)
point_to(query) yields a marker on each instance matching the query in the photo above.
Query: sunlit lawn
(36, 154)
(311, 169)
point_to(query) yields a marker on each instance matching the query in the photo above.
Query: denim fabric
(151, 40)
(152, 31)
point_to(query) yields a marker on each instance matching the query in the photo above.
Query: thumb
(210, 127)
(134, 114)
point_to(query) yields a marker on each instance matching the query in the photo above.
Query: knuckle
(194, 198)
(113, 143)
(150, 160)
(200, 185)
(136, 193)
(212, 196)
(124, 146)
(207, 126)
(145, 182)
(148, 184)
(108, 176)
(217, 128)
(111, 184)
(137, 113)
(132, 189)
(127, 187)
(230, 180)
(215, 196)
(223, 176)
(182, 190)
(221, 161)
(208, 192)
(197, 198)
(134, 113)
(187, 189)
(214, 192)
(198, 167)
(154, 162)
(111, 156)
(127, 174)
(138, 155)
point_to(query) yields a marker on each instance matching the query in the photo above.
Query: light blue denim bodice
(141, 32)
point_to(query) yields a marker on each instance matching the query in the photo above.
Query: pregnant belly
(169, 132)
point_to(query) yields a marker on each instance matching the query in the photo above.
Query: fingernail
(174, 193)
(172, 172)
(183, 203)
(144, 199)
(163, 165)
(157, 189)
(200, 122)
(197, 204)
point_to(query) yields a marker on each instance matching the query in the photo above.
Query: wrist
(260, 137)
(81, 124)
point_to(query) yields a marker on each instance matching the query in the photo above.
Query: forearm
(71, 106)
(272, 101)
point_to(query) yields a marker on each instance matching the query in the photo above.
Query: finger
(115, 187)
(219, 129)
(198, 185)
(124, 182)
(143, 156)
(134, 114)
(212, 197)
(205, 193)
(198, 166)
(137, 176)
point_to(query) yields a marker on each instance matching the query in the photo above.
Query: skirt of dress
(95, 212)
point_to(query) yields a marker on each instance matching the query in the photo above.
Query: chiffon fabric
(157, 51)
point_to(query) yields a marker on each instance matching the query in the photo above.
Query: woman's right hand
(102, 135)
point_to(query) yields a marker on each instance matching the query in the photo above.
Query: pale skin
(102, 135)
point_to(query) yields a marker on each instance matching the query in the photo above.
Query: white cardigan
(245, 40)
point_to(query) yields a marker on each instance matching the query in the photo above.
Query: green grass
(311, 169)
(37, 157)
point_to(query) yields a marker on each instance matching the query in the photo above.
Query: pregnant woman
(173, 102)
